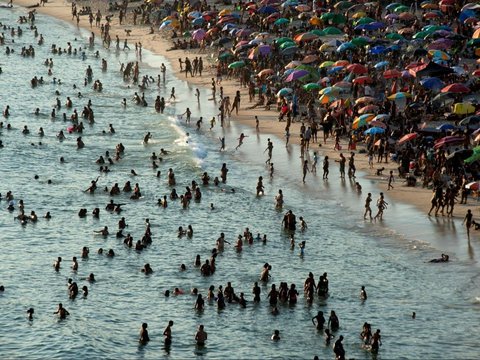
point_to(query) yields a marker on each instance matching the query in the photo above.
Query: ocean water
(389, 258)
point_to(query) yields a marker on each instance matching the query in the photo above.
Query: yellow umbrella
(429, 6)
(315, 21)
(326, 64)
(326, 47)
(463, 108)
(225, 12)
(359, 15)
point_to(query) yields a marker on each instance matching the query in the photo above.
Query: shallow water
(389, 258)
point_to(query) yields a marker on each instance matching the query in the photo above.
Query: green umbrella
(236, 64)
(287, 44)
(187, 34)
(420, 35)
(473, 158)
(343, 5)
(332, 31)
(401, 8)
(394, 36)
(360, 41)
(283, 40)
(281, 21)
(326, 64)
(311, 86)
(473, 42)
(334, 18)
(363, 21)
(225, 56)
(312, 75)
(317, 32)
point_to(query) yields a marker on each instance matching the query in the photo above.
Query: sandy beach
(159, 43)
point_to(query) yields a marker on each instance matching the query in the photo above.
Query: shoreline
(417, 196)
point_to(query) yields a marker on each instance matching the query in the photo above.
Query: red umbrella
(448, 140)
(362, 80)
(357, 69)
(392, 74)
(408, 137)
(456, 88)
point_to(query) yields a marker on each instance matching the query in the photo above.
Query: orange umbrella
(341, 63)
(407, 137)
(476, 34)
(362, 80)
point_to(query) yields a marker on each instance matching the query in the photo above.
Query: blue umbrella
(198, 21)
(380, 49)
(267, 10)
(290, 3)
(444, 127)
(370, 27)
(392, 48)
(284, 91)
(228, 27)
(381, 65)
(374, 131)
(334, 69)
(346, 46)
(464, 15)
(432, 83)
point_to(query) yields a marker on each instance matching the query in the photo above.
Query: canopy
(430, 69)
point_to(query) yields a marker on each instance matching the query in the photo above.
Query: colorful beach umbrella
(296, 74)
(456, 88)
(407, 138)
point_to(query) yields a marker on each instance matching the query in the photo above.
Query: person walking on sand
(391, 180)
(368, 209)
(468, 221)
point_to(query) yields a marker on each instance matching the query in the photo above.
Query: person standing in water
(325, 168)
(144, 338)
(167, 333)
(368, 209)
(201, 336)
(305, 169)
(468, 221)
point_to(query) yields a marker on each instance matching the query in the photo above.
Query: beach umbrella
(317, 32)
(459, 70)
(379, 49)
(441, 44)
(368, 109)
(325, 99)
(199, 35)
(381, 117)
(391, 17)
(309, 59)
(394, 36)
(284, 92)
(375, 123)
(198, 21)
(225, 56)
(445, 127)
(334, 69)
(281, 21)
(326, 64)
(311, 86)
(302, 8)
(236, 64)
(334, 18)
(406, 16)
(362, 80)
(363, 21)
(470, 120)
(462, 108)
(448, 141)
(296, 74)
(342, 5)
(374, 131)
(392, 6)
(399, 96)
(293, 64)
(307, 36)
(346, 46)
(326, 47)
(392, 74)
(365, 117)
(407, 138)
(431, 15)
(428, 5)
(287, 44)
(476, 34)
(357, 123)
(283, 40)
(265, 72)
(456, 88)
(289, 51)
(406, 30)
(364, 99)
(401, 9)
(267, 10)
(381, 65)
(357, 69)
(432, 83)
(243, 33)
(315, 21)
(332, 31)
(475, 185)
(342, 63)
(360, 41)
(330, 90)
(476, 73)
